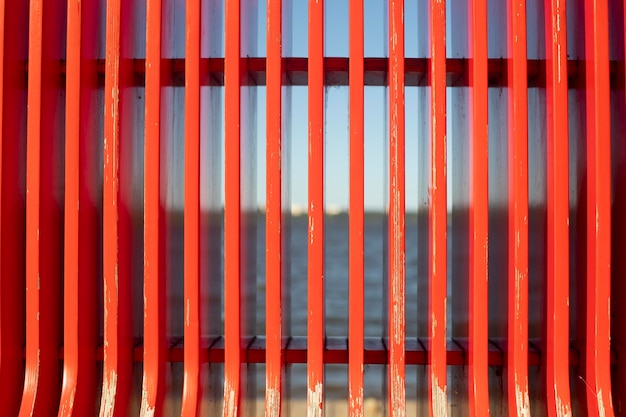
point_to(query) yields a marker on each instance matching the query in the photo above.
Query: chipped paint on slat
(146, 409)
(440, 397)
(230, 404)
(272, 402)
(521, 398)
(315, 401)
(109, 388)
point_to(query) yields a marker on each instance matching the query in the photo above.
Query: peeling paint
(315, 402)
(439, 397)
(68, 406)
(562, 410)
(521, 399)
(398, 406)
(146, 409)
(272, 405)
(356, 402)
(230, 401)
(108, 394)
(601, 408)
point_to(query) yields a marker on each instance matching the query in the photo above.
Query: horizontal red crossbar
(376, 69)
(336, 351)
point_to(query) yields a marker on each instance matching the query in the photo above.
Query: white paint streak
(601, 409)
(230, 404)
(108, 394)
(440, 398)
(272, 405)
(562, 410)
(146, 410)
(315, 402)
(356, 402)
(398, 406)
(521, 399)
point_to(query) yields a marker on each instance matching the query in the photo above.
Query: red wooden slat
(72, 204)
(154, 279)
(437, 294)
(397, 250)
(274, 213)
(356, 218)
(618, 261)
(598, 290)
(315, 323)
(12, 254)
(192, 287)
(116, 246)
(79, 377)
(234, 355)
(43, 227)
(557, 291)
(33, 198)
(517, 345)
(478, 378)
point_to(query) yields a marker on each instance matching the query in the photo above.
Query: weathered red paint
(43, 215)
(275, 324)
(397, 232)
(437, 214)
(356, 292)
(192, 290)
(117, 366)
(517, 363)
(81, 221)
(557, 291)
(478, 378)
(315, 322)
(233, 305)
(154, 383)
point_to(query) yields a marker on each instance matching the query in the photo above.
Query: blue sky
(376, 132)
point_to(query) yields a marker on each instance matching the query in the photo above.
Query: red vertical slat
(192, 290)
(13, 33)
(598, 291)
(43, 227)
(557, 291)
(79, 378)
(154, 280)
(315, 323)
(233, 306)
(71, 351)
(116, 258)
(478, 378)
(273, 213)
(356, 243)
(397, 250)
(437, 294)
(33, 198)
(517, 355)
